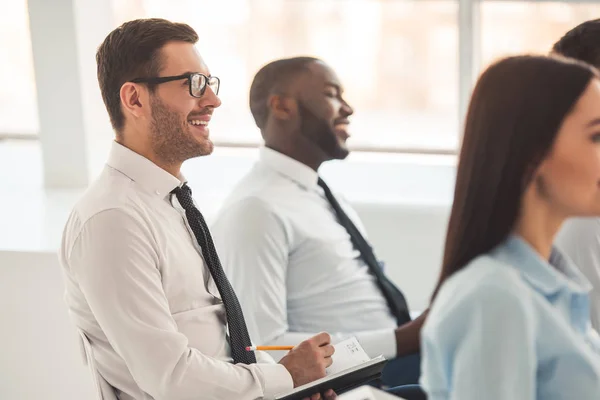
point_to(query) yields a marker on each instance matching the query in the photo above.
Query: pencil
(268, 348)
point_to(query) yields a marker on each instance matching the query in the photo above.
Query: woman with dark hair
(510, 317)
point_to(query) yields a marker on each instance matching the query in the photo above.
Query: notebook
(351, 367)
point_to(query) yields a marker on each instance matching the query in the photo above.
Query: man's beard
(170, 139)
(320, 132)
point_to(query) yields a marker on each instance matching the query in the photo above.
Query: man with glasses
(143, 280)
(296, 254)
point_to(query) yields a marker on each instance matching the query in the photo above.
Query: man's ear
(282, 107)
(133, 99)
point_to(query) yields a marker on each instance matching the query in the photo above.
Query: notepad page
(348, 353)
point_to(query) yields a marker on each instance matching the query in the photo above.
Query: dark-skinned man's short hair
(272, 79)
(581, 43)
(133, 51)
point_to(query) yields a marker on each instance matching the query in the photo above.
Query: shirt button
(157, 192)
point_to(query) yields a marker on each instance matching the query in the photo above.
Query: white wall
(40, 358)
(409, 239)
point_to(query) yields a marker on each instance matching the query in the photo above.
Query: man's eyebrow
(196, 72)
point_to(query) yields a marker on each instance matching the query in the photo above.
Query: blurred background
(408, 67)
(400, 60)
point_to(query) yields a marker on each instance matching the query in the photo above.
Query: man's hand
(307, 361)
(408, 336)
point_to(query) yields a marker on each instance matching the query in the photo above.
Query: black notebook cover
(341, 382)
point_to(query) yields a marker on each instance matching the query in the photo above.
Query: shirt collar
(144, 172)
(548, 277)
(288, 167)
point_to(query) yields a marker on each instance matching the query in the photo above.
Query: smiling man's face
(323, 112)
(180, 122)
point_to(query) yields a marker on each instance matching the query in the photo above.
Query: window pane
(400, 76)
(18, 108)
(512, 27)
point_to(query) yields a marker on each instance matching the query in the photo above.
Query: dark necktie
(238, 332)
(393, 295)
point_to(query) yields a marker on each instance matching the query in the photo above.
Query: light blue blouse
(513, 326)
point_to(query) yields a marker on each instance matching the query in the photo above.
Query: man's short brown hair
(133, 51)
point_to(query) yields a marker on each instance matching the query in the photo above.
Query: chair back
(102, 388)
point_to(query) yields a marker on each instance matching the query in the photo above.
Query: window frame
(469, 50)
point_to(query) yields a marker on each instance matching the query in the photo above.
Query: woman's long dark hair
(516, 110)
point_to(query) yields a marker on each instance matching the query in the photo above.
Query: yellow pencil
(268, 348)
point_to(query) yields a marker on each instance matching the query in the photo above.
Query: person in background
(510, 315)
(143, 280)
(579, 238)
(298, 255)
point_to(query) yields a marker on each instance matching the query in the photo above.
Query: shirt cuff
(380, 342)
(277, 379)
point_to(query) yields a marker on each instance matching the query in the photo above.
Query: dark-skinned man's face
(323, 112)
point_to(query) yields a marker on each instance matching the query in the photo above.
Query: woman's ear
(534, 176)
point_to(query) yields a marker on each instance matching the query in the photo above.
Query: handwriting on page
(348, 353)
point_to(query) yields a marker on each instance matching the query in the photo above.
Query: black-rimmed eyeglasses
(197, 82)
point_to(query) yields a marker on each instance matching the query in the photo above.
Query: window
(18, 108)
(398, 60)
(512, 27)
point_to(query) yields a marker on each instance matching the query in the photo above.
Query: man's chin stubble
(174, 156)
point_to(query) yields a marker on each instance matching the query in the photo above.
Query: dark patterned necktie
(393, 295)
(238, 332)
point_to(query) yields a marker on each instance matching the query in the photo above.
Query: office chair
(102, 388)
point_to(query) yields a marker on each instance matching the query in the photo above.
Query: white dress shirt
(579, 239)
(137, 285)
(293, 265)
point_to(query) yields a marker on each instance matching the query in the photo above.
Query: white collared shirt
(137, 285)
(293, 265)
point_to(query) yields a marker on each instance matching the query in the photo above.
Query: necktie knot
(184, 196)
(184, 190)
(322, 183)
